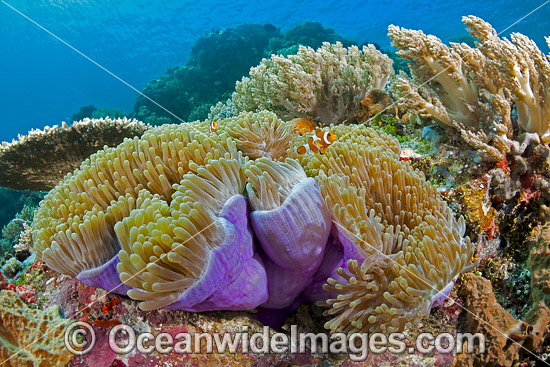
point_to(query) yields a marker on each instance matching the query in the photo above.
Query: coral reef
(31, 337)
(368, 230)
(188, 91)
(25, 240)
(11, 232)
(41, 159)
(92, 112)
(11, 267)
(15, 201)
(309, 34)
(472, 89)
(324, 85)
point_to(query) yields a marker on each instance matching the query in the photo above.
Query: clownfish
(214, 126)
(303, 126)
(318, 143)
(326, 138)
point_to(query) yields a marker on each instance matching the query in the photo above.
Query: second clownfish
(214, 126)
(303, 126)
(318, 143)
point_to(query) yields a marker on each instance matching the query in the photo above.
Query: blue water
(43, 81)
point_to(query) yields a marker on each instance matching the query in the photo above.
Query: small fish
(309, 146)
(303, 126)
(326, 138)
(214, 126)
(318, 143)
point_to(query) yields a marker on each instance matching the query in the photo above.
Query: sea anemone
(260, 134)
(408, 242)
(73, 230)
(195, 253)
(196, 219)
(292, 225)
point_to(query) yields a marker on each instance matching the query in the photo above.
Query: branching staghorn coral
(473, 89)
(408, 245)
(325, 85)
(39, 160)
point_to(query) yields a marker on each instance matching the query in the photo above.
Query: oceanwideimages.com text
(80, 339)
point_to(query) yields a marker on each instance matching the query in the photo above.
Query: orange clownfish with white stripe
(214, 126)
(318, 143)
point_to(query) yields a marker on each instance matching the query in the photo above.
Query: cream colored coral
(25, 239)
(472, 89)
(523, 68)
(325, 85)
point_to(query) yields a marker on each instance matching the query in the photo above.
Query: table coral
(31, 337)
(39, 160)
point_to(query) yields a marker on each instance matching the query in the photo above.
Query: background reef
(217, 60)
